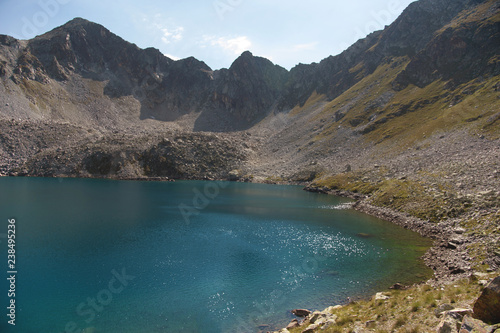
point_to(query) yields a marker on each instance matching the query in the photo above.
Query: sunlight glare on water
(243, 256)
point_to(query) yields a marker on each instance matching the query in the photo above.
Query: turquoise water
(123, 256)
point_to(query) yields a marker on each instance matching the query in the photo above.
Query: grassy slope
(393, 121)
(405, 311)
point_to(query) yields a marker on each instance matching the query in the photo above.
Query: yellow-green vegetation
(487, 224)
(350, 181)
(312, 101)
(405, 311)
(475, 15)
(439, 110)
(374, 109)
(274, 179)
(358, 103)
(432, 202)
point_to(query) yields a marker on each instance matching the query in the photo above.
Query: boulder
(332, 309)
(442, 308)
(459, 314)
(448, 325)
(471, 325)
(311, 328)
(294, 323)
(398, 286)
(234, 175)
(329, 322)
(315, 316)
(487, 306)
(452, 320)
(301, 312)
(479, 276)
(381, 296)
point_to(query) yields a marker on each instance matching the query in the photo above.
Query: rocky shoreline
(448, 258)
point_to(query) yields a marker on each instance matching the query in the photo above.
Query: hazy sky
(215, 31)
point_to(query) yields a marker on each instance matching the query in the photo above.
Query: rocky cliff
(82, 55)
(436, 68)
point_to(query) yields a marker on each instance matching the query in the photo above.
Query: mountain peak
(79, 21)
(246, 54)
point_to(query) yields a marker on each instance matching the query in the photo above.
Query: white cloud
(164, 29)
(175, 58)
(171, 35)
(235, 45)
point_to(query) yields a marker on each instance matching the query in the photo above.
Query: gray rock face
(471, 325)
(242, 94)
(228, 99)
(253, 87)
(411, 35)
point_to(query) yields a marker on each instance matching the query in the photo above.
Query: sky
(216, 31)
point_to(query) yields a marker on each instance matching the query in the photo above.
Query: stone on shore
(294, 323)
(315, 316)
(331, 309)
(234, 175)
(301, 312)
(381, 297)
(311, 328)
(398, 286)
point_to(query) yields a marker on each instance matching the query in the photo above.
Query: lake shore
(450, 259)
(452, 255)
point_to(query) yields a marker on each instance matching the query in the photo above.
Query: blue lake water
(107, 256)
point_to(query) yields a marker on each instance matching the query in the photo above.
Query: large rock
(381, 297)
(452, 320)
(234, 175)
(448, 325)
(487, 306)
(311, 328)
(442, 308)
(471, 325)
(316, 316)
(301, 312)
(294, 323)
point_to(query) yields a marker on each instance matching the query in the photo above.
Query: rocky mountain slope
(433, 71)
(436, 68)
(83, 68)
(407, 119)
